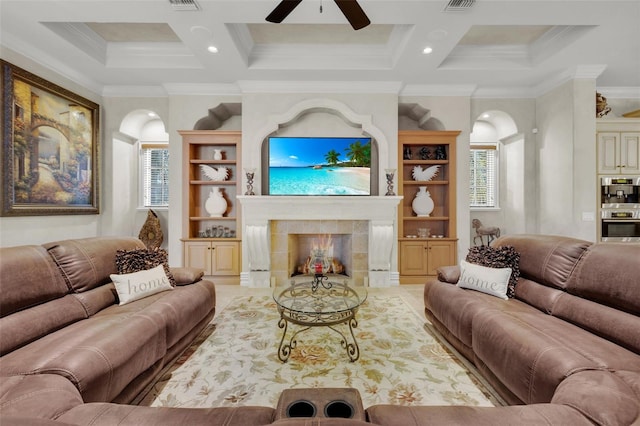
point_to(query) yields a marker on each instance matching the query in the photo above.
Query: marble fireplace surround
(261, 215)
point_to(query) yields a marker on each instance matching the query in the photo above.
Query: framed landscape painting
(49, 147)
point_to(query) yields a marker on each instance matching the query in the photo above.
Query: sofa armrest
(39, 396)
(185, 276)
(449, 274)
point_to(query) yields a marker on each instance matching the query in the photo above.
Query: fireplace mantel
(380, 211)
(345, 207)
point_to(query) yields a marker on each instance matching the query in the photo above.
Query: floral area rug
(235, 361)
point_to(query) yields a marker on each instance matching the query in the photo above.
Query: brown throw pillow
(498, 257)
(128, 261)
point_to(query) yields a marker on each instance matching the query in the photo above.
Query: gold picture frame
(50, 146)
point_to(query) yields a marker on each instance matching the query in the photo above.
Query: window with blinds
(155, 174)
(483, 176)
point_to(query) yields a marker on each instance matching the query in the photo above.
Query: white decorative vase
(215, 205)
(217, 154)
(422, 205)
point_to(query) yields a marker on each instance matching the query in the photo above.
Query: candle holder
(390, 173)
(249, 173)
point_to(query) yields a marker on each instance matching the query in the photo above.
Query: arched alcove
(141, 125)
(498, 127)
(303, 118)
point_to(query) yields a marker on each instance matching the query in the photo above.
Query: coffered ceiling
(488, 48)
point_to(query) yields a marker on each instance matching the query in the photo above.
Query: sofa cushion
(176, 311)
(30, 265)
(128, 261)
(498, 257)
(547, 259)
(520, 415)
(141, 284)
(100, 356)
(491, 281)
(100, 414)
(86, 263)
(617, 284)
(21, 328)
(459, 318)
(528, 352)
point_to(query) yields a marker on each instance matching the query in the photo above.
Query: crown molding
(438, 90)
(620, 92)
(350, 87)
(134, 92)
(200, 89)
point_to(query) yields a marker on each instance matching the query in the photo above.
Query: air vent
(184, 5)
(458, 5)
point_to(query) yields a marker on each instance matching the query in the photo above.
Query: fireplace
(344, 241)
(365, 226)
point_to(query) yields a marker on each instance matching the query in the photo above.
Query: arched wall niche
(324, 117)
(495, 126)
(220, 116)
(141, 125)
(412, 116)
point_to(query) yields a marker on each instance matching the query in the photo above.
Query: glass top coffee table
(319, 303)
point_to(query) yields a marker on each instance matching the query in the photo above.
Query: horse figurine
(492, 232)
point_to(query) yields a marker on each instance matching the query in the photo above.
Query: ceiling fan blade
(282, 10)
(354, 13)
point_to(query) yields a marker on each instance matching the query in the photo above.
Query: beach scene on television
(319, 166)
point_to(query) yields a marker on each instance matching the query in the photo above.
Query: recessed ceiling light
(212, 49)
(427, 50)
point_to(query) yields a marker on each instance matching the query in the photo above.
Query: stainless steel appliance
(620, 209)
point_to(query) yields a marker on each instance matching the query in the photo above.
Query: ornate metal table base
(319, 304)
(353, 350)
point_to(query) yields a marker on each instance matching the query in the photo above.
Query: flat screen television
(319, 166)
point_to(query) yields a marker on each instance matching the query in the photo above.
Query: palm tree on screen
(332, 156)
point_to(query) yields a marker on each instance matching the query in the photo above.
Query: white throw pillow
(493, 281)
(138, 285)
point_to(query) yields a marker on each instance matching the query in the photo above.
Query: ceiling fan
(350, 8)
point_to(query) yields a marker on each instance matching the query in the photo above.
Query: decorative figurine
(441, 153)
(249, 173)
(406, 153)
(390, 173)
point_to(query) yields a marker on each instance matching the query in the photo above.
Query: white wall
(567, 160)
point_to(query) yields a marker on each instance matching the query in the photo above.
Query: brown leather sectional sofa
(565, 350)
(568, 344)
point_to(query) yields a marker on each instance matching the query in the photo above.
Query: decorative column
(381, 242)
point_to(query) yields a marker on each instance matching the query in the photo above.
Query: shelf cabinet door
(215, 258)
(413, 258)
(197, 254)
(440, 253)
(225, 259)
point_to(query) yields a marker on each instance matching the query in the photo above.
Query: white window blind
(155, 174)
(483, 177)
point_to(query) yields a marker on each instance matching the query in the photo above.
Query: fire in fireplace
(321, 259)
